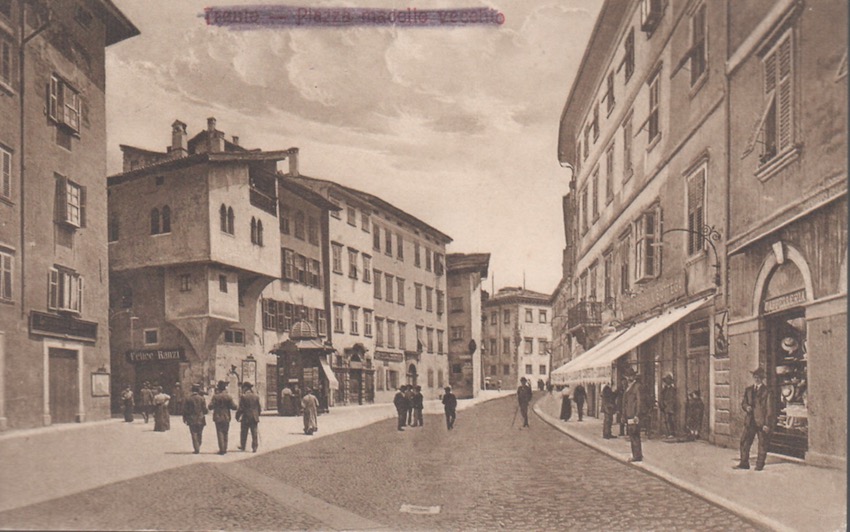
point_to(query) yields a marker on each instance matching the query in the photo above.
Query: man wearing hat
(668, 404)
(221, 404)
(450, 406)
(146, 397)
(632, 410)
(759, 419)
(523, 395)
(248, 414)
(194, 415)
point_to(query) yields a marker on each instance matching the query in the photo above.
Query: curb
(742, 511)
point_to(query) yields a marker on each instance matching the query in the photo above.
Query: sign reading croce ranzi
(156, 355)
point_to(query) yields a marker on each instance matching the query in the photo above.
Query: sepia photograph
(248, 249)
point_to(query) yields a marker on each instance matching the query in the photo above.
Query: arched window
(222, 214)
(259, 232)
(166, 219)
(155, 221)
(253, 230)
(230, 218)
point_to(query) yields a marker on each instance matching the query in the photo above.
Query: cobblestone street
(485, 474)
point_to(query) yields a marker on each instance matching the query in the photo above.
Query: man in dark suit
(580, 396)
(523, 395)
(759, 419)
(450, 407)
(632, 411)
(194, 412)
(609, 406)
(248, 414)
(221, 404)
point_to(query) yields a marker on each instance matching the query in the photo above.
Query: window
(593, 280)
(336, 250)
(151, 336)
(112, 229)
(628, 167)
(624, 249)
(420, 332)
(222, 283)
(506, 369)
(70, 202)
(352, 215)
(650, 14)
(378, 284)
(528, 369)
(456, 304)
(506, 346)
(429, 335)
(653, 124)
(607, 272)
(542, 346)
(5, 173)
(379, 332)
(322, 325)
(367, 268)
(609, 93)
(594, 198)
(223, 219)
(457, 333)
(427, 260)
(399, 247)
(698, 335)
(595, 123)
(696, 209)
(543, 369)
(389, 281)
(587, 129)
(5, 276)
(365, 221)
(699, 51)
(185, 282)
(392, 379)
(609, 174)
(388, 243)
(429, 299)
(230, 220)
(400, 292)
(647, 254)
(494, 347)
(493, 369)
(5, 61)
(506, 317)
(416, 258)
(440, 378)
(367, 322)
(583, 210)
(354, 314)
(352, 263)
(284, 219)
(529, 345)
(256, 231)
(417, 293)
(438, 264)
(391, 334)
(338, 323)
(376, 237)
(234, 336)
(494, 318)
(529, 315)
(629, 54)
(316, 274)
(440, 301)
(402, 335)
(777, 123)
(542, 317)
(440, 342)
(312, 231)
(269, 314)
(457, 368)
(299, 225)
(154, 221)
(285, 316)
(64, 104)
(288, 264)
(335, 212)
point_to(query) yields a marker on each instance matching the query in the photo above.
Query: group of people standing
(409, 403)
(248, 411)
(153, 402)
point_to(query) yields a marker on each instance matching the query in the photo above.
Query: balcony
(584, 314)
(263, 201)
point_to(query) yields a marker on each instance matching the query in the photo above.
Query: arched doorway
(412, 374)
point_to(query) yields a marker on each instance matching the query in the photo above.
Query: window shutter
(783, 99)
(53, 98)
(52, 289)
(6, 175)
(656, 242)
(82, 206)
(61, 198)
(770, 73)
(80, 284)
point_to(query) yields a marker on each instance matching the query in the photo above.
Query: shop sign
(388, 356)
(156, 355)
(785, 301)
(652, 297)
(66, 327)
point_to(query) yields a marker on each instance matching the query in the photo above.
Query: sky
(457, 126)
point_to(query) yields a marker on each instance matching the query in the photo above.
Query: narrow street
(486, 474)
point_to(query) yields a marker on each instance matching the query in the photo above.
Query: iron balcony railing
(585, 314)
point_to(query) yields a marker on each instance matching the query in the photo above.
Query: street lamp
(710, 235)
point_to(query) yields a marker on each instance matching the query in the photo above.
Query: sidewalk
(46, 463)
(787, 495)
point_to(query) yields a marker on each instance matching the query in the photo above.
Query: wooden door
(64, 387)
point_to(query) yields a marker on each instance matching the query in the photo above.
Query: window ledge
(654, 142)
(696, 86)
(7, 201)
(778, 162)
(7, 88)
(698, 257)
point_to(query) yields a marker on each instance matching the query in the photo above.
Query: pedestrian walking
(580, 396)
(310, 406)
(566, 404)
(175, 406)
(418, 406)
(400, 402)
(194, 415)
(694, 411)
(220, 405)
(128, 403)
(146, 400)
(161, 417)
(668, 405)
(632, 411)
(621, 418)
(408, 394)
(609, 406)
(248, 415)
(450, 407)
(759, 419)
(523, 395)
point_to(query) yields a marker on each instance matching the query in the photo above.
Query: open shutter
(61, 198)
(82, 206)
(6, 174)
(53, 99)
(783, 100)
(52, 289)
(79, 305)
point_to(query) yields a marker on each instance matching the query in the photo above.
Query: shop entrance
(787, 362)
(165, 374)
(64, 388)
(411, 375)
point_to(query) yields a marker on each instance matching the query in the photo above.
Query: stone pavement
(46, 463)
(787, 495)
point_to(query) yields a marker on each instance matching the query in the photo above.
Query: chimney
(211, 124)
(179, 146)
(293, 162)
(235, 140)
(215, 138)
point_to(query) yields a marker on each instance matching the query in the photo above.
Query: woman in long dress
(566, 405)
(129, 404)
(161, 417)
(311, 412)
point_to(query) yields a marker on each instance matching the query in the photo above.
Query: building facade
(517, 332)
(465, 275)
(54, 314)
(787, 75)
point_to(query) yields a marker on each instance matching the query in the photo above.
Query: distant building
(54, 314)
(517, 332)
(465, 274)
